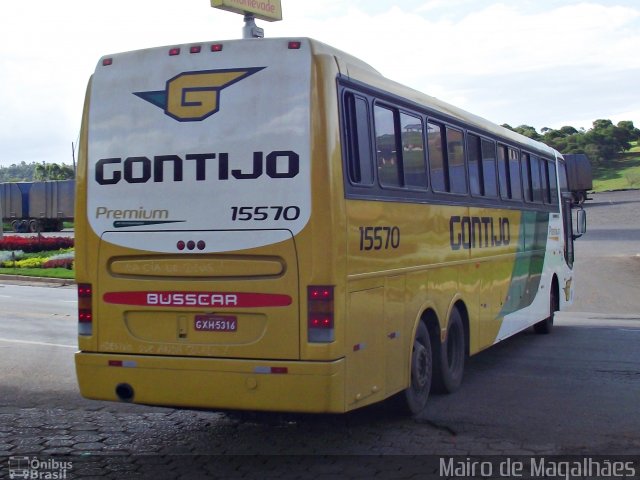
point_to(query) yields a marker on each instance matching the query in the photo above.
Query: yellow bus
(273, 225)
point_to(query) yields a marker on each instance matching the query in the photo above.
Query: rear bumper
(315, 387)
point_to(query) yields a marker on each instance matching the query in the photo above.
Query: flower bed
(36, 252)
(35, 244)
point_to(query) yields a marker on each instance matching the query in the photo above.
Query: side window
(536, 181)
(544, 176)
(475, 164)
(509, 173)
(358, 139)
(526, 178)
(413, 161)
(483, 179)
(503, 172)
(387, 157)
(455, 161)
(562, 177)
(553, 182)
(514, 175)
(435, 140)
(489, 180)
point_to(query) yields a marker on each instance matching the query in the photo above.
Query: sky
(544, 63)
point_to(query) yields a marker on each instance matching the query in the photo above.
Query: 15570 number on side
(379, 238)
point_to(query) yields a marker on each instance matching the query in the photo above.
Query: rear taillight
(85, 314)
(320, 314)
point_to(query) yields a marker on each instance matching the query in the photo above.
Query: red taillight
(85, 313)
(295, 45)
(195, 49)
(320, 314)
(84, 290)
(216, 47)
(107, 61)
(174, 51)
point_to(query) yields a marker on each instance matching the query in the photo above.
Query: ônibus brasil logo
(194, 96)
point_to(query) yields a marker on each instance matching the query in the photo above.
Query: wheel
(448, 360)
(544, 327)
(14, 225)
(33, 226)
(414, 398)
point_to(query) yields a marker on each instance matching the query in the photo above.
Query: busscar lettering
(202, 166)
(193, 299)
(478, 232)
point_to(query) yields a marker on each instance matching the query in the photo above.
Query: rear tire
(414, 399)
(448, 360)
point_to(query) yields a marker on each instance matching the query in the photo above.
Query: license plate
(215, 323)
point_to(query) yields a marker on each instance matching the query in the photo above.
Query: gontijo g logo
(194, 96)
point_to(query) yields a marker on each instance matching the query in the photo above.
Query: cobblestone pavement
(126, 441)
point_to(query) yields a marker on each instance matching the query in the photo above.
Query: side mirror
(580, 228)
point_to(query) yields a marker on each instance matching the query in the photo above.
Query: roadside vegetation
(612, 150)
(30, 172)
(51, 257)
(622, 173)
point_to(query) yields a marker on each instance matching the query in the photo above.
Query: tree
(602, 143)
(528, 131)
(40, 172)
(28, 172)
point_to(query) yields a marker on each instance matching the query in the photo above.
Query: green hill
(620, 174)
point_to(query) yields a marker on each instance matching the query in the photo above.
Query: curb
(45, 280)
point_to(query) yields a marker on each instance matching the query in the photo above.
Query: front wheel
(545, 326)
(414, 399)
(448, 361)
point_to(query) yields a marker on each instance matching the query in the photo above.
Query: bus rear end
(193, 188)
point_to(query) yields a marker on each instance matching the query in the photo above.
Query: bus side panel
(527, 300)
(395, 300)
(495, 236)
(399, 262)
(365, 362)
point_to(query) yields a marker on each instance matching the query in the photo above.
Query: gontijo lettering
(478, 232)
(278, 164)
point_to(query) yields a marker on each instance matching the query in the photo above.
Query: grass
(40, 272)
(620, 174)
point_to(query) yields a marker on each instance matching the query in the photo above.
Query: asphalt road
(608, 256)
(575, 391)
